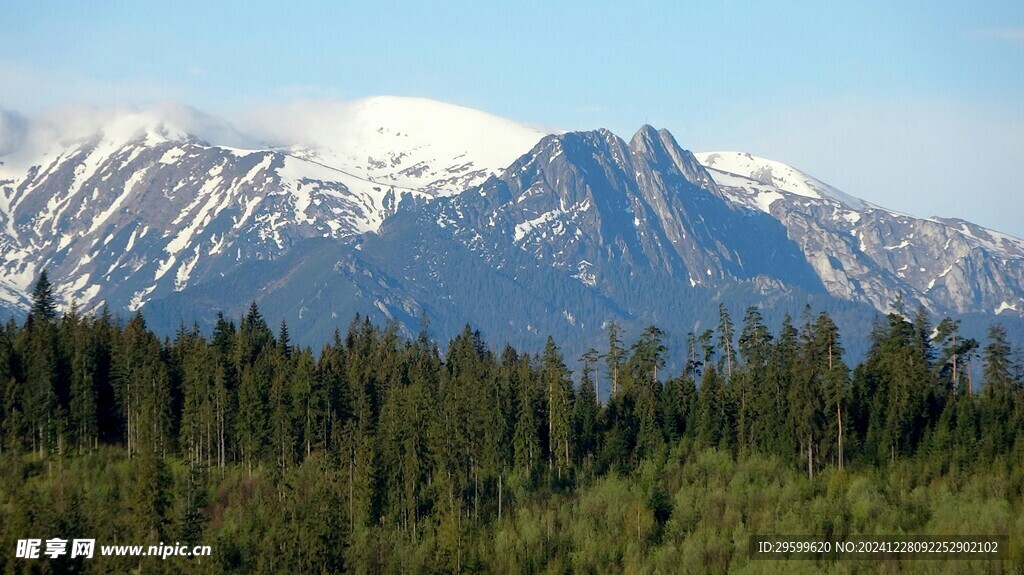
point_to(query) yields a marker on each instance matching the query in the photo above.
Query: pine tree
(772, 399)
(41, 396)
(896, 392)
(712, 424)
(44, 307)
(586, 409)
(284, 340)
(12, 431)
(252, 417)
(331, 372)
(152, 497)
(950, 364)
(253, 336)
(614, 356)
(725, 339)
(998, 394)
(559, 408)
(806, 394)
(83, 410)
(835, 379)
(198, 415)
(526, 438)
(647, 357)
(223, 345)
(590, 359)
(154, 393)
(282, 424)
(755, 351)
(308, 402)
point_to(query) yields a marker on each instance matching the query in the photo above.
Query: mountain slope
(133, 206)
(868, 253)
(583, 230)
(396, 207)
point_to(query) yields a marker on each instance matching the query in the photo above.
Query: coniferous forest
(379, 454)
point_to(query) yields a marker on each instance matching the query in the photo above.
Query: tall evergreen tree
(590, 359)
(835, 382)
(614, 357)
(559, 409)
(44, 306)
(586, 410)
(725, 342)
(805, 396)
(80, 347)
(712, 423)
(754, 351)
(526, 438)
(647, 357)
(998, 394)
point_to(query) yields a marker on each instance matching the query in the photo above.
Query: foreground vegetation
(381, 455)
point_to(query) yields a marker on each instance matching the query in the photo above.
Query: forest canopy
(378, 453)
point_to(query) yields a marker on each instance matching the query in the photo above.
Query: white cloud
(24, 138)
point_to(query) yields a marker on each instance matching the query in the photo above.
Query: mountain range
(402, 208)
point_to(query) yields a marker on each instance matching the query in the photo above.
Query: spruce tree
(586, 410)
(614, 356)
(754, 351)
(44, 307)
(559, 408)
(998, 394)
(725, 342)
(645, 389)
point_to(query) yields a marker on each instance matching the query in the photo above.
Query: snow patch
(171, 156)
(529, 225)
(139, 298)
(185, 271)
(1005, 306)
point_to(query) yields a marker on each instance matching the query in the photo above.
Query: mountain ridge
(167, 212)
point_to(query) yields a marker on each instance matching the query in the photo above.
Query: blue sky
(917, 106)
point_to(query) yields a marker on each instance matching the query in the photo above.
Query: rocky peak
(661, 152)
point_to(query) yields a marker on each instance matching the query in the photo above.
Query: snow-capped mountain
(868, 253)
(122, 206)
(394, 206)
(409, 144)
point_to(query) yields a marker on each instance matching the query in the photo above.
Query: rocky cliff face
(864, 252)
(584, 202)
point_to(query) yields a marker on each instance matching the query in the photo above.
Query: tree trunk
(839, 415)
(567, 463)
(955, 378)
(351, 495)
